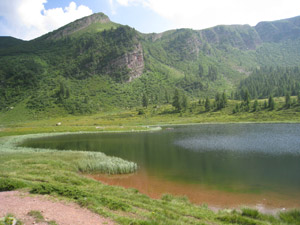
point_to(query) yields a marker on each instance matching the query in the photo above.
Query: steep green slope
(6, 42)
(94, 64)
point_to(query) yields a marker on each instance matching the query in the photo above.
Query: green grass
(291, 217)
(37, 215)
(154, 115)
(59, 173)
(39, 218)
(86, 162)
(10, 219)
(100, 163)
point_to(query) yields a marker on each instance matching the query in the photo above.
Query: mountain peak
(275, 31)
(98, 22)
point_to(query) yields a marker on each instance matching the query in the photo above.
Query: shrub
(7, 184)
(66, 191)
(252, 213)
(237, 219)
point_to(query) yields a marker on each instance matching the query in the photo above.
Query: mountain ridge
(93, 63)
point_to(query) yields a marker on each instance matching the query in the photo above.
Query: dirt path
(20, 204)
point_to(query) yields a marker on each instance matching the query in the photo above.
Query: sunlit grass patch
(101, 163)
(291, 217)
(86, 162)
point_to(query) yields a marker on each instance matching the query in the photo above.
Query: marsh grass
(89, 162)
(100, 163)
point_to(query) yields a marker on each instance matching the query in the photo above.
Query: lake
(219, 164)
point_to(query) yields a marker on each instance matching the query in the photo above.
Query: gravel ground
(20, 204)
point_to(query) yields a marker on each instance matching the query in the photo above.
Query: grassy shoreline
(57, 173)
(54, 172)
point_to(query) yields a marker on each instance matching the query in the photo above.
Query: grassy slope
(21, 121)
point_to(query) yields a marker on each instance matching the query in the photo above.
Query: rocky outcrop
(133, 60)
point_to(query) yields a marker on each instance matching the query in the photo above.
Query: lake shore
(21, 157)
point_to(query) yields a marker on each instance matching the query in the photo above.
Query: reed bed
(99, 162)
(88, 162)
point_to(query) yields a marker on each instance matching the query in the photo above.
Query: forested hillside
(94, 64)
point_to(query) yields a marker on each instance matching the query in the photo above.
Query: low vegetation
(58, 173)
(10, 219)
(97, 162)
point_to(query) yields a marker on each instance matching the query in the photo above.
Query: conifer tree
(145, 100)
(177, 100)
(271, 103)
(255, 105)
(288, 101)
(207, 104)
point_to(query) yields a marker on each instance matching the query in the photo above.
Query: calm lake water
(221, 164)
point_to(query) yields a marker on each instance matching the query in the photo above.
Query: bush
(252, 213)
(7, 184)
(66, 191)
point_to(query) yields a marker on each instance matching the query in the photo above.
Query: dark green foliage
(288, 101)
(83, 71)
(236, 109)
(212, 73)
(114, 205)
(7, 184)
(220, 100)
(66, 191)
(145, 100)
(238, 219)
(177, 100)
(271, 103)
(141, 112)
(255, 106)
(252, 213)
(180, 101)
(207, 104)
(291, 217)
(272, 81)
(185, 102)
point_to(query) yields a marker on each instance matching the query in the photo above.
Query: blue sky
(28, 19)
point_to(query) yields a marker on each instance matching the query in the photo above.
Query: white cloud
(199, 14)
(28, 19)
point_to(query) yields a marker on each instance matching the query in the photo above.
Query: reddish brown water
(199, 194)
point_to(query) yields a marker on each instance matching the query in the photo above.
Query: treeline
(270, 81)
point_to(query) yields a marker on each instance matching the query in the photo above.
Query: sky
(28, 19)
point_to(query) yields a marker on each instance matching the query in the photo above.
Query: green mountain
(94, 64)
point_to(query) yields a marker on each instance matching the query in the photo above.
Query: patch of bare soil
(20, 204)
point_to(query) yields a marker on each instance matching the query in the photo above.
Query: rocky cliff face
(133, 61)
